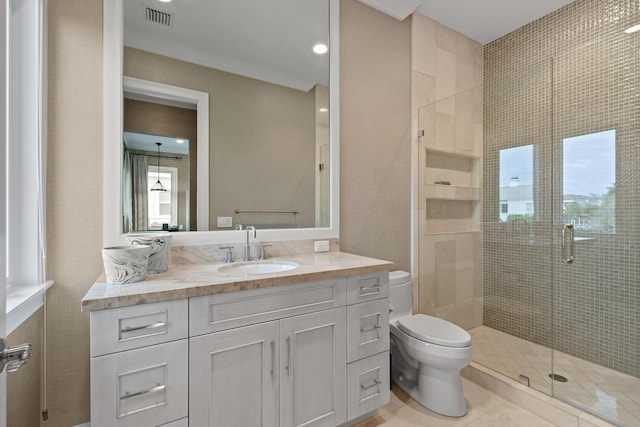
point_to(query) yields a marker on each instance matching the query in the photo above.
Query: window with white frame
(26, 157)
(163, 205)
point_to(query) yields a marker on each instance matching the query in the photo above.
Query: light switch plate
(322, 246)
(225, 221)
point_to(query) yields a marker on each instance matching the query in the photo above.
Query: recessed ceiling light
(323, 110)
(179, 141)
(632, 29)
(164, 1)
(320, 48)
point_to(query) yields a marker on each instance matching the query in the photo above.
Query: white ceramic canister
(160, 243)
(125, 264)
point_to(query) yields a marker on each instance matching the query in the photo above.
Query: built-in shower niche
(451, 189)
(450, 151)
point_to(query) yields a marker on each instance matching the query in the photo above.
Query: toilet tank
(400, 294)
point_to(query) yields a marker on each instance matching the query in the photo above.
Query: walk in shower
(561, 208)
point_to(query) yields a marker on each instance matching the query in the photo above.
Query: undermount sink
(258, 267)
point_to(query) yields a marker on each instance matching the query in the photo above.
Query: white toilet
(427, 353)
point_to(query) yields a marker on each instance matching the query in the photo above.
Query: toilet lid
(434, 330)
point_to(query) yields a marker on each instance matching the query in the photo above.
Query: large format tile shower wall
(571, 73)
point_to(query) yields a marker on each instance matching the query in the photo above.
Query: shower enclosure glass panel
(450, 167)
(596, 299)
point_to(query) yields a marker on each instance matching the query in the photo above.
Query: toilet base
(441, 391)
(437, 390)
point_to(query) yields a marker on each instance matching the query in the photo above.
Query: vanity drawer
(367, 329)
(367, 287)
(367, 384)
(137, 326)
(142, 387)
(241, 308)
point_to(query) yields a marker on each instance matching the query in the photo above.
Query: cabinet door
(313, 369)
(233, 377)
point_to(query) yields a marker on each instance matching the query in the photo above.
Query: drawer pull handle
(273, 360)
(373, 328)
(140, 328)
(159, 387)
(373, 384)
(367, 290)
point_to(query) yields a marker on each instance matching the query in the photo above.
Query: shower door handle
(567, 229)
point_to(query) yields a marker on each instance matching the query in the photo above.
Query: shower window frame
(537, 182)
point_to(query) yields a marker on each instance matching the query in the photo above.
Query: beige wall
(262, 140)
(24, 387)
(375, 147)
(74, 200)
(375, 150)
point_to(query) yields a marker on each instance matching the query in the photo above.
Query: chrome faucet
(247, 248)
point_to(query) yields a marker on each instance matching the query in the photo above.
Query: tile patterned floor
(609, 394)
(486, 409)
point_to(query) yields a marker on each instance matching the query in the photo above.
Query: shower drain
(558, 377)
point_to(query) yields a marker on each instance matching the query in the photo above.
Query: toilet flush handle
(390, 309)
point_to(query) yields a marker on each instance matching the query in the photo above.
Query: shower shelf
(451, 192)
(461, 154)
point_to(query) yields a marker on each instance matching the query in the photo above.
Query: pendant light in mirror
(158, 185)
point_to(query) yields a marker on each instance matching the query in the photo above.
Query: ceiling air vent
(158, 16)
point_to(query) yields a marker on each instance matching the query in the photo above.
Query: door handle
(13, 357)
(288, 367)
(567, 258)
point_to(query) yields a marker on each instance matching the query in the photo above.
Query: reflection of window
(163, 205)
(589, 181)
(516, 183)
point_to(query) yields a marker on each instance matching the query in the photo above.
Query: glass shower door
(596, 205)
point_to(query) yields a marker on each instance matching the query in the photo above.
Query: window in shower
(516, 184)
(589, 181)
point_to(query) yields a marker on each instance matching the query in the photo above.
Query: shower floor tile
(609, 394)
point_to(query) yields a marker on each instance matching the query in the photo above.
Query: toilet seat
(434, 330)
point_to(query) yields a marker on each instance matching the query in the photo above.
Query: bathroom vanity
(202, 347)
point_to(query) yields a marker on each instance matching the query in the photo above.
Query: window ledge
(23, 301)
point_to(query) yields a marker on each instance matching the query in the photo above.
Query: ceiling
(487, 20)
(267, 40)
(272, 40)
(145, 142)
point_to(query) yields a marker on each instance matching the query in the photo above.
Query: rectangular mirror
(264, 147)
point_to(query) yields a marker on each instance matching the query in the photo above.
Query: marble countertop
(194, 280)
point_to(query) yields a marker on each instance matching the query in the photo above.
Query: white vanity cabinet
(312, 354)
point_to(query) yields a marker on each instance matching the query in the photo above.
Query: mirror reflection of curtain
(140, 199)
(127, 191)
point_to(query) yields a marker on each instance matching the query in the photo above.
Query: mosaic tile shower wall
(572, 73)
